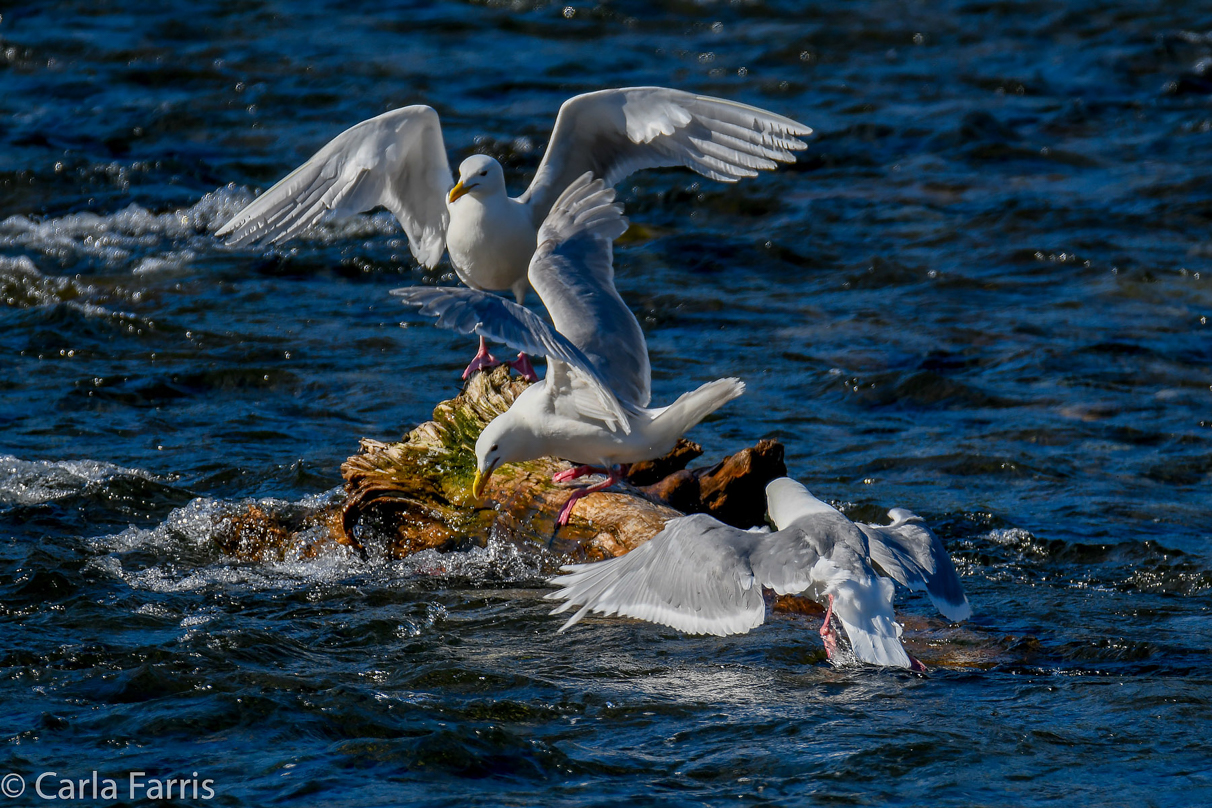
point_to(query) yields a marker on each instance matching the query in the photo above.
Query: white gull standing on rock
(592, 406)
(398, 160)
(701, 576)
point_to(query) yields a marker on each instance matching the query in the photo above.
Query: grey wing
(397, 160)
(470, 311)
(573, 273)
(909, 552)
(613, 133)
(789, 560)
(820, 554)
(693, 576)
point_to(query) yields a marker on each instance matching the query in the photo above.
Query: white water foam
(112, 239)
(34, 482)
(196, 525)
(22, 285)
(136, 237)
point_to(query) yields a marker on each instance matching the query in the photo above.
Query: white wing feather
(693, 576)
(701, 576)
(583, 395)
(470, 311)
(572, 272)
(908, 551)
(613, 133)
(397, 160)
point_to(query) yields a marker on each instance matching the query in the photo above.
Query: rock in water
(415, 494)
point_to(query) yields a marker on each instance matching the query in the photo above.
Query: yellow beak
(481, 480)
(457, 191)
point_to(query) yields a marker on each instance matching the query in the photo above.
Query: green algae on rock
(415, 494)
(418, 491)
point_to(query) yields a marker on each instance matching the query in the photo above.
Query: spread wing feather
(572, 272)
(470, 311)
(397, 160)
(908, 551)
(701, 576)
(693, 576)
(613, 133)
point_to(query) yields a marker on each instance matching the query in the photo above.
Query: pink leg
(522, 366)
(482, 360)
(615, 474)
(827, 635)
(915, 664)
(577, 472)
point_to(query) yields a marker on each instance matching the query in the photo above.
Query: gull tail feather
(864, 608)
(692, 407)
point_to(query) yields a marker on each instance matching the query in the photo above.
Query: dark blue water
(982, 294)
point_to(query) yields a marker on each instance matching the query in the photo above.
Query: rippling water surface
(982, 294)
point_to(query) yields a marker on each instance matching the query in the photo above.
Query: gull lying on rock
(701, 576)
(398, 160)
(592, 406)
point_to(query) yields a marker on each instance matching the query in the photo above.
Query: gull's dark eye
(494, 448)
(484, 173)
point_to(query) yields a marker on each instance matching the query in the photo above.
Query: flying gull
(701, 576)
(591, 408)
(398, 160)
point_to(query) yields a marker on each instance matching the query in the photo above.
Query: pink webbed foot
(915, 664)
(827, 634)
(524, 368)
(566, 511)
(483, 360)
(575, 473)
(613, 476)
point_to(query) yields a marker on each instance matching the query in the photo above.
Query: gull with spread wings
(592, 407)
(398, 160)
(701, 576)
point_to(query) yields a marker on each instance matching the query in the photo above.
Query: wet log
(418, 491)
(415, 494)
(733, 490)
(257, 532)
(650, 472)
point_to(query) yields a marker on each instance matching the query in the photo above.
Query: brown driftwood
(419, 490)
(415, 494)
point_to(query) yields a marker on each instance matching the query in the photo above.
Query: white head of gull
(701, 576)
(592, 407)
(398, 160)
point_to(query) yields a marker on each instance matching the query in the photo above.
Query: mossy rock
(415, 494)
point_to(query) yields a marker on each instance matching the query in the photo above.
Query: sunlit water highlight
(983, 294)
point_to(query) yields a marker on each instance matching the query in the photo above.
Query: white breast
(490, 242)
